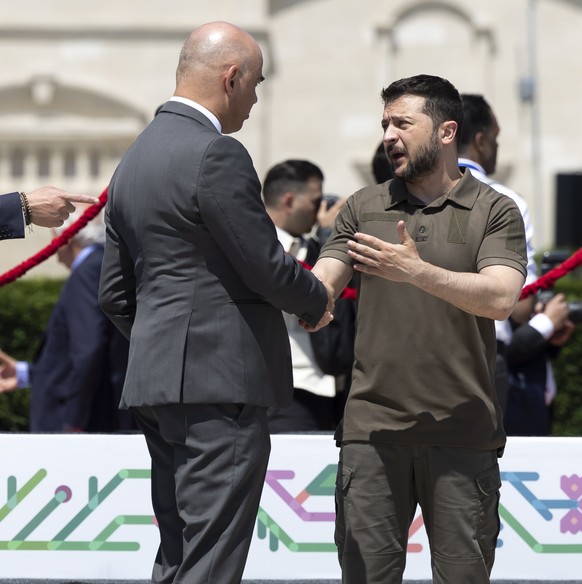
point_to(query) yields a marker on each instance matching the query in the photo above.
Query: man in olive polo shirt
(441, 256)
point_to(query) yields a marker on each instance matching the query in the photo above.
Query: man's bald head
(213, 47)
(218, 67)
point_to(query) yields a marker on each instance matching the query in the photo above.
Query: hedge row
(25, 307)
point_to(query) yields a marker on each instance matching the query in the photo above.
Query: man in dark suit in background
(194, 274)
(77, 375)
(45, 207)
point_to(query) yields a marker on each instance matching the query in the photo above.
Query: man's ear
(449, 131)
(479, 141)
(287, 200)
(229, 79)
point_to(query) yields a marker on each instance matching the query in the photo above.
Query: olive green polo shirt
(423, 371)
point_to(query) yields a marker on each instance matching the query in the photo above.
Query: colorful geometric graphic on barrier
(569, 508)
(571, 522)
(62, 495)
(322, 485)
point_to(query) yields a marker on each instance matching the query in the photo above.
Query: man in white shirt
(478, 153)
(293, 194)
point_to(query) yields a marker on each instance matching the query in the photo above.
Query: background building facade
(80, 80)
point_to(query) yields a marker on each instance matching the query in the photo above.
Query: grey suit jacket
(194, 274)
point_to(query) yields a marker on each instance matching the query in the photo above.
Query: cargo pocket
(488, 485)
(342, 486)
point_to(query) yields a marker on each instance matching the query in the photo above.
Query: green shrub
(567, 408)
(25, 307)
(568, 373)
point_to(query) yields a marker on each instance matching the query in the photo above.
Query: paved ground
(271, 582)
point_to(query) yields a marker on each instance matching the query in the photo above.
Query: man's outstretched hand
(51, 206)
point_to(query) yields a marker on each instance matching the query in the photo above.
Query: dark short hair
(381, 168)
(442, 100)
(288, 176)
(478, 117)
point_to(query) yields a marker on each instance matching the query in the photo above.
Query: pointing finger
(77, 198)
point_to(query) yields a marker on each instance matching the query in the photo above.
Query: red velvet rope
(54, 245)
(71, 231)
(542, 283)
(549, 278)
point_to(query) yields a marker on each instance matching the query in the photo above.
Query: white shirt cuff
(543, 324)
(22, 374)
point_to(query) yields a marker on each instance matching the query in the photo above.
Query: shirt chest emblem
(458, 225)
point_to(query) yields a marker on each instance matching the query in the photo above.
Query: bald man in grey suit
(194, 275)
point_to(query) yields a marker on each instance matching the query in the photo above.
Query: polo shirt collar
(464, 194)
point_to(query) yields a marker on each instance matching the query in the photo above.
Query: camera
(330, 200)
(550, 260)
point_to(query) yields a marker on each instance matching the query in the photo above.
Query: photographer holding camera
(531, 382)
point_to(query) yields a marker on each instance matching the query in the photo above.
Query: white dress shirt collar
(472, 165)
(215, 121)
(286, 239)
(296, 246)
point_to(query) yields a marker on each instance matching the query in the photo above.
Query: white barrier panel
(78, 507)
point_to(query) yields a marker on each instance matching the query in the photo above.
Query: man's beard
(423, 163)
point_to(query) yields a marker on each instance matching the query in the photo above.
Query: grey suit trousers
(208, 467)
